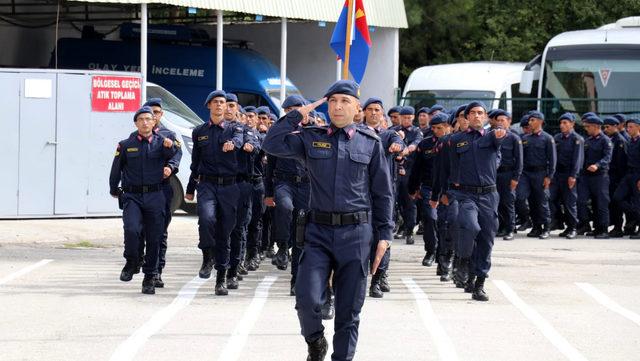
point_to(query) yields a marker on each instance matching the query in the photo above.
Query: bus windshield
(605, 79)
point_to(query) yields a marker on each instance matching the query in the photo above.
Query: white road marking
(24, 271)
(608, 302)
(443, 342)
(238, 338)
(128, 349)
(543, 325)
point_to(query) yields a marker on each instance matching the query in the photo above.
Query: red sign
(115, 93)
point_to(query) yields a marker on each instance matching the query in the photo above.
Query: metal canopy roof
(381, 13)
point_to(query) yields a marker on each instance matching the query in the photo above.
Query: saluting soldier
(350, 197)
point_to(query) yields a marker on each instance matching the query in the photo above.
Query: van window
(246, 99)
(447, 98)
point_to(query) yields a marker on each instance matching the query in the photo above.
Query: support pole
(143, 51)
(283, 61)
(219, 45)
(347, 45)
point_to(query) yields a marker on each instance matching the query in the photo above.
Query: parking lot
(552, 299)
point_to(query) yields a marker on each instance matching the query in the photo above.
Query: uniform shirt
(426, 132)
(174, 162)
(511, 154)
(423, 168)
(207, 157)
(597, 150)
(245, 159)
(625, 135)
(259, 160)
(570, 149)
(346, 166)
(441, 169)
(389, 137)
(282, 167)
(474, 158)
(618, 165)
(412, 136)
(633, 154)
(539, 150)
(139, 161)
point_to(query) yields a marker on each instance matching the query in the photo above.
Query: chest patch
(204, 137)
(323, 145)
(131, 150)
(524, 142)
(462, 144)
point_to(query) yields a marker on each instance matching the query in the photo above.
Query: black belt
(338, 219)
(292, 178)
(476, 190)
(505, 168)
(537, 168)
(142, 189)
(222, 181)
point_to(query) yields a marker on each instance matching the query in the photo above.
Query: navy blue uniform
(139, 163)
(510, 169)
(570, 149)
(617, 171)
(256, 173)
(448, 228)
(421, 179)
(350, 197)
(473, 166)
(215, 172)
(627, 195)
(245, 187)
(595, 185)
(539, 159)
(412, 136)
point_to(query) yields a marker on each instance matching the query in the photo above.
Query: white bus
(454, 84)
(588, 71)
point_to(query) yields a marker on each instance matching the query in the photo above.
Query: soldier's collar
(349, 130)
(222, 123)
(141, 138)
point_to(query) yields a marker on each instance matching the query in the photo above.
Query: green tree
(443, 32)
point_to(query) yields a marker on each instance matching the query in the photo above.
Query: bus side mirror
(526, 81)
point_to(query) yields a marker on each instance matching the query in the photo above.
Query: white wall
(311, 63)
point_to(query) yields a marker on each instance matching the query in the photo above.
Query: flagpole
(347, 45)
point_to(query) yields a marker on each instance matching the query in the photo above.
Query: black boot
(556, 225)
(524, 226)
(270, 252)
(384, 282)
(478, 290)
(220, 289)
(409, 238)
(317, 349)
(544, 234)
(128, 270)
(158, 282)
(374, 289)
(501, 233)
(428, 259)
(328, 309)
(469, 286)
(207, 263)
(616, 232)
(461, 275)
(281, 259)
(535, 232)
(242, 271)
(583, 229)
(420, 230)
(447, 267)
(148, 287)
(232, 279)
(509, 236)
(601, 233)
(630, 227)
(571, 233)
(292, 285)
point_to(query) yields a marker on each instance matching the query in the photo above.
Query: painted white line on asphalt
(443, 342)
(234, 347)
(128, 349)
(24, 271)
(543, 325)
(608, 302)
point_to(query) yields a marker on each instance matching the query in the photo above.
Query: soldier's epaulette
(369, 132)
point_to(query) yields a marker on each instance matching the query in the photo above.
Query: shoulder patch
(324, 145)
(203, 137)
(177, 143)
(462, 144)
(117, 150)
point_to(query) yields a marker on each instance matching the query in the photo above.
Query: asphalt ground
(554, 299)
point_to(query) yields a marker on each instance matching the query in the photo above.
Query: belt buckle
(220, 181)
(336, 219)
(298, 179)
(145, 189)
